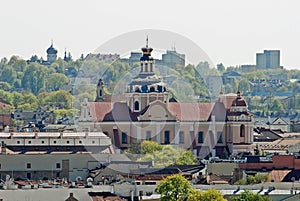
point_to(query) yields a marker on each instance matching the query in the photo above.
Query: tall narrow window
(151, 67)
(148, 135)
(124, 138)
(136, 105)
(146, 67)
(181, 137)
(200, 137)
(28, 175)
(242, 131)
(220, 139)
(167, 137)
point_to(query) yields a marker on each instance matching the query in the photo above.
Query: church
(147, 112)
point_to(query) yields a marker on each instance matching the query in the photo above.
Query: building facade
(145, 113)
(270, 59)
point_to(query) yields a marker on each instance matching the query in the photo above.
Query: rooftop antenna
(147, 41)
(173, 46)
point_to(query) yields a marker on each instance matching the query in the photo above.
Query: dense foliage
(249, 196)
(20, 80)
(256, 179)
(162, 155)
(178, 188)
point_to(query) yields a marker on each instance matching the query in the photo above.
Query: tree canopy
(250, 196)
(174, 188)
(177, 188)
(166, 155)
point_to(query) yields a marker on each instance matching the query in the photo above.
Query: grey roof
(44, 194)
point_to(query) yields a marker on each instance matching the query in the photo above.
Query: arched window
(136, 105)
(151, 67)
(242, 131)
(146, 67)
(137, 89)
(141, 67)
(152, 89)
(100, 92)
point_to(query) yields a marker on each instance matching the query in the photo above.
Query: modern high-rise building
(172, 58)
(270, 59)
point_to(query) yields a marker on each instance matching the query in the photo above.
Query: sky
(230, 31)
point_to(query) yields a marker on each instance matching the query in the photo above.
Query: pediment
(157, 111)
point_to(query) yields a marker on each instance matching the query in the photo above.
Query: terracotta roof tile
(191, 111)
(108, 111)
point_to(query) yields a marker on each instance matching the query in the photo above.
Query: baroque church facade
(146, 112)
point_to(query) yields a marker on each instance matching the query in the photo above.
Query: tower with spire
(100, 92)
(147, 86)
(51, 54)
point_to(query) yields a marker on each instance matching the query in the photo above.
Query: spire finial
(147, 41)
(51, 42)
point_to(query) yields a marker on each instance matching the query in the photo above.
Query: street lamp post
(293, 185)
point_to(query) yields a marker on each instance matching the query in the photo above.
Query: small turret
(100, 92)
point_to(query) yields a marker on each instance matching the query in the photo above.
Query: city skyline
(230, 32)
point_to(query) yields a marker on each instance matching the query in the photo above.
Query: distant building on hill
(248, 68)
(270, 59)
(172, 58)
(106, 58)
(51, 54)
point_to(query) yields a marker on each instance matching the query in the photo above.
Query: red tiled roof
(99, 110)
(5, 119)
(227, 99)
(191, 111)
(108, 111)
(278, 175)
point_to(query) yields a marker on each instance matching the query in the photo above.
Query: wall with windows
(38, 166)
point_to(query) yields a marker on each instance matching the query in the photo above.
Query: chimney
(3, 148)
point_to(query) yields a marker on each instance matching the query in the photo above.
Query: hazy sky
(229, 31)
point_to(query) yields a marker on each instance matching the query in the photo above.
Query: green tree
(166, 155)
(56, 81)
(34, 78)
(29, 101)
(59, 65)
(174, 188)
(6, 96)
(244, 85)
(276, 105)
(256, 179)
(250, 196)
(149, 147)
(5, 86)
(66, 113)
(186, 157)
(17, 98)
(58, 100)
(220, 67)
(209, 195)
(8, 75)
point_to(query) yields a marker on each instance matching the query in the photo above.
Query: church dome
(239, 101)
(51, 50)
